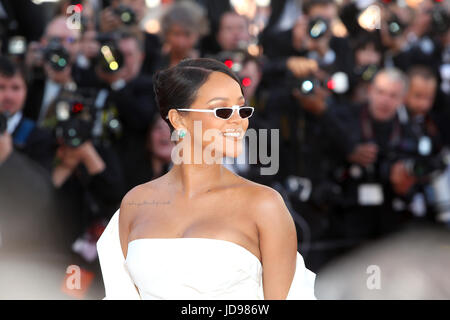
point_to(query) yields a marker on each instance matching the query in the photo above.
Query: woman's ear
(175, 119)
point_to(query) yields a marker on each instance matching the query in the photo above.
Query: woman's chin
(233, 153)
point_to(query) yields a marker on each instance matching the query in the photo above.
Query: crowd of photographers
(359, 90)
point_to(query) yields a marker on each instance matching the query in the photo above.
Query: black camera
(126, 14)
(3, 122)
(366, 72)
(338, 83)
(232, 59)
(424, 167)
(56, 55)
(235, 60)
(440, 20)
(110, 58)
(395, 26)
(317, 27)
(74, 118)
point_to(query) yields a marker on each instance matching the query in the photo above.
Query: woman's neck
(194, 179)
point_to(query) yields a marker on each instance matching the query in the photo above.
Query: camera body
(73, 117)
(318, 27)
(110, 58)
(56, 55)
(440, 20)
(126, 14)
(76, 117)
(366, 72)
(337, 83)
(424, 167)
(395, 26)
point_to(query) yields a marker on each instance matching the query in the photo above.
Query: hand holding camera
(301, 66)
(313, 103)
(401, 180)
(71, 157)
(364, 154)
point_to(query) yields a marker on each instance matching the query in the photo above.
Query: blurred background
(359, 91)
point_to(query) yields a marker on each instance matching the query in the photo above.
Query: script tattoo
(148, 203)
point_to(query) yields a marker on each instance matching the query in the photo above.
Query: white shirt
(51, 91)
(13, 122)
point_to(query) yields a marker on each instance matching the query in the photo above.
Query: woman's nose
(235, 117)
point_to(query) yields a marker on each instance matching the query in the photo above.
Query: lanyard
(367, 128)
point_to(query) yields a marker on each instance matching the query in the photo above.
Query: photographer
(309, 47)
(127, 92)
(182, 26)
(55, 54)
(232, 34)
(18, 132)
(129, 14)
(368, 178)
(368, 55)
(312, 143)
(87, 173)
(414, 38)
(424, 162)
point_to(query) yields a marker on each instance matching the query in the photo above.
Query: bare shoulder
(262, 197)
(134, 200)
(132, 205)
(267, 207)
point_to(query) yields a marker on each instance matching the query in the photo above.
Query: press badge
(370, 194)
(425, 145)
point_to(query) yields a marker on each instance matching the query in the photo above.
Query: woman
(153, 159)
(200, 231)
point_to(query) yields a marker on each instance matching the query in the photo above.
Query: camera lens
(317, 28)
(307, 86)
(110, 58)
(56, 55)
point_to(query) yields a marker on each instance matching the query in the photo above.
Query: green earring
(181, 133)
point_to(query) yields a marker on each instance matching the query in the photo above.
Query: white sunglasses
(225, 113)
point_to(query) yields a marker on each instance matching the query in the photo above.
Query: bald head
(58, 28)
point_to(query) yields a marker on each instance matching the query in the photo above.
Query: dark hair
(421, 71)
(308, 4)
(130, 33)
(364, 39)
(9, 69)
(177, 87)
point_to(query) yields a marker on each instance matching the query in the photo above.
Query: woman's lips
(236, 134)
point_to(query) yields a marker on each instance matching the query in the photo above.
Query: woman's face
(209, 133)
(159, 141)
(181, 40)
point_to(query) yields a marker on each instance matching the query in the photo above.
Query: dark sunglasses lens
(245, 112)
(224, 113)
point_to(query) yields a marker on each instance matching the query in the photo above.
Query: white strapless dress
(187, 268)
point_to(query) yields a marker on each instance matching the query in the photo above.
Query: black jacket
(37, 143)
